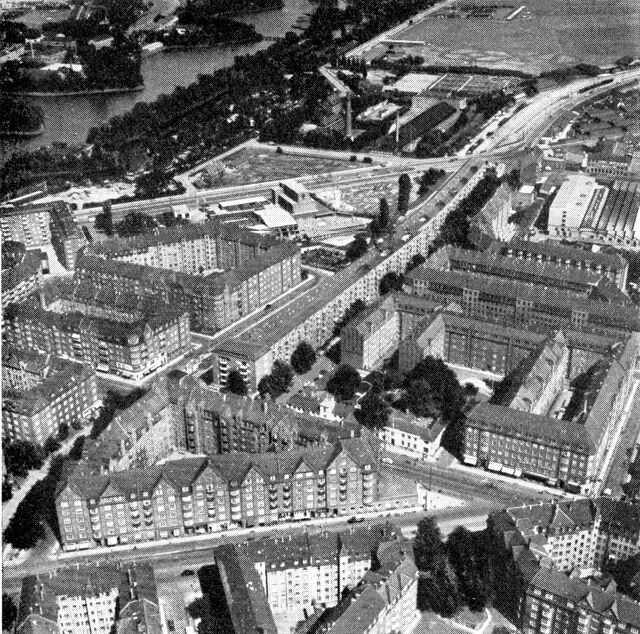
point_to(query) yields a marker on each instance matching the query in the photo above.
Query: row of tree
(455, 572)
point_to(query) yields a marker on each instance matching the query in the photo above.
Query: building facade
(131, 349)
(42, 392)
(412, 436)
(369, 337)
(23, 279)
(217, 273)
(90, 600)
(612, 265)
(200, 495)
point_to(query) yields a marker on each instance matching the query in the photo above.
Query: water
(69, 119)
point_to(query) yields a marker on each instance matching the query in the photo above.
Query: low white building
(411, 436)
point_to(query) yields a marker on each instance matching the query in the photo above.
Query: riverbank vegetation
(270, 85)
(17, 116)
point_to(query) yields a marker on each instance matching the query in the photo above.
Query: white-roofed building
(574, 199)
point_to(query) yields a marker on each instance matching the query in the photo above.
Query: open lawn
(542, 36)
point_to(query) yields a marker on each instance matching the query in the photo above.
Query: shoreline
(23, 134)
(167, 48)
(79, 93)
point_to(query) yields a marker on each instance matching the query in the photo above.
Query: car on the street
(355, 520)
(187, 573)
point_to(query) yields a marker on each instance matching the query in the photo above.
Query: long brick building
(541, 424)
(121, 337)
(217, 273)
(200, 495)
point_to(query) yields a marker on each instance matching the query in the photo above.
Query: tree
(344, 382)
(9, 612)
(303, 358)
(21, 456)
(63, 431)
(104, 220)
(417, 260)
(428, 546)
(357, 307)
(236, 383)
(419, 399)
(383, 216)
(357, 248)
(404, 193)
(78, 445)
(469, 557)
(281, 378)
(135, 223)
(7, 492)
(26, 528)
(51, 445)
(374, 410)
(392, 281)
(264, 386)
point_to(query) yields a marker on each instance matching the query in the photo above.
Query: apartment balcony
(211, 512)
(135, 523)
(368, 476)
(236, 516)
(148, 522)
(135, 514)
(95, 521)
(146, 503)
(148, 512)
(186, 499)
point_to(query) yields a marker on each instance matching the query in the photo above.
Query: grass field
(544, 35)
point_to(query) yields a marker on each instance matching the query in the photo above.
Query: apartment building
(492, 221)
(537, 546)
(44, 224)
(371, 336)
(131, 349)
(220, 272)
(567, 443)
(383, 602)
(42, 392)
(299, 572)
(612, 265)
(514, 303)
(103, 599)
(314, 316)
(23, 279)
(608, 165)
(180, 413)
(67, 237)
(200, 495)
(416, 437)
(29, 225)
(585, 533)
(549, 274)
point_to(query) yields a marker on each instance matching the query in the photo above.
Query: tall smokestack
(348, 126)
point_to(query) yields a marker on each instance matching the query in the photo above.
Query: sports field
(545, 34)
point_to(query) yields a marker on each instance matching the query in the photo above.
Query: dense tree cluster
(453, 573)
(455, 229)
(20, 456)
(17, 115)
(374, 410)
(357, 248)
(344, 382)
(135, 223)
(278, 382)
(391, 282)
(429, 179)
(9, 612)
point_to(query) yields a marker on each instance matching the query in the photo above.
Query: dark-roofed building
(200, 495)
(613, 265)
(565, 445)
(217, 273)
(129, 342)
(300, 572)
(102, 599)
(384, 601)
(246, 599)
(42, 392)
(512, 302)
(533, 546)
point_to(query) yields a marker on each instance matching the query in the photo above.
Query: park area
(542, 36)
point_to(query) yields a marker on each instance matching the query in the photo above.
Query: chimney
(348, 125)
